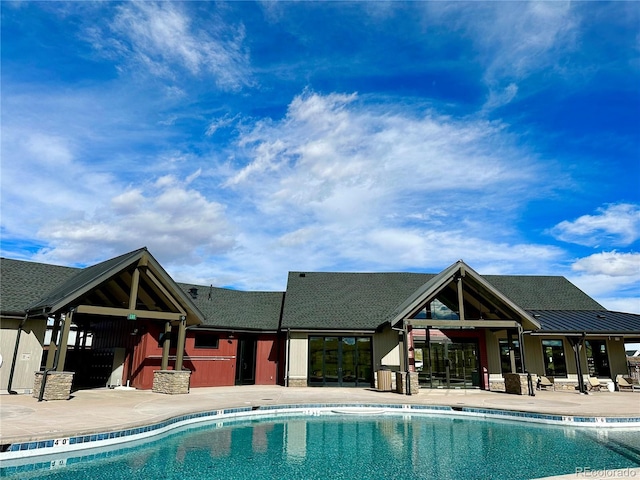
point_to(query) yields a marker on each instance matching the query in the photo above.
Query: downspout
(286, 369)
(405, 329)
(15, 354)
(532, 391)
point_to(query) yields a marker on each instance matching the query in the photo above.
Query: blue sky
(239, 141)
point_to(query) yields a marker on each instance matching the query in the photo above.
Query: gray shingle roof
(592, 321)
(321, 300)
(237, 310)
(23, 283)
(326, 300)
(315, 300)
(83, 278)
(535, 292)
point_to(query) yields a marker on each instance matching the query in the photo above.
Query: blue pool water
(352, 447)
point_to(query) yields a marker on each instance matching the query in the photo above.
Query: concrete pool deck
(23, 418)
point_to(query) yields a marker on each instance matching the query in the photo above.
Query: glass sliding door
(349, 361)
(452, 363)
(364, 368)
(331, 361)
(340, 361)
(597, 358)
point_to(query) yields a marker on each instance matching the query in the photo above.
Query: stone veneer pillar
(58, 386)
(171, 382)
(516, 383)
(401, 382)
(414, 383)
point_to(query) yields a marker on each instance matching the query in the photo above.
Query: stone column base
(297, 382)
(516, 383)
(171, 382)
(401, 383)
(414, 383)
(58, 385)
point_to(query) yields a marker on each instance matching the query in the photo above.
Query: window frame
(206, 335)
(562, 355)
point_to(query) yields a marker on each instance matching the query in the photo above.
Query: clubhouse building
(126, 322)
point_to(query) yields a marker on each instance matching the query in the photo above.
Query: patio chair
(594, 384)
(624, 383)
(545, 382)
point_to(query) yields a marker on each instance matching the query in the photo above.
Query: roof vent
(193, 291)
(303, 274)
(600, 315)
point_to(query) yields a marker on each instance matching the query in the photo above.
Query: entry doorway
(340, 361)
(246, 361)
(449, 362)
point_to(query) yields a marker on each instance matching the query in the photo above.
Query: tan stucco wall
(29, 353)
(534, 360)
(298, 357)
(493, 351)
(617, 357)
(387, 350)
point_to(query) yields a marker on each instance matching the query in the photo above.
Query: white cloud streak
(162, 39)
(176, 223)
(513, 40)
(616, 224)
(338, 182)
(612, 278)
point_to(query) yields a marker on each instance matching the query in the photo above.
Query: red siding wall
(210, 367)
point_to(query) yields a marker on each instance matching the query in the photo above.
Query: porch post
(460, 298)
(521, 345)
(512, 354)
(166, 343)
(133, 294)
(64, 339)
(576, 344)
(182, 333)
(523, 362)
(53, 342)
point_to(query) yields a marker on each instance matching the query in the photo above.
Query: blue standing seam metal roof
(591, 321)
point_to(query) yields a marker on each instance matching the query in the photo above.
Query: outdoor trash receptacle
(384, 380)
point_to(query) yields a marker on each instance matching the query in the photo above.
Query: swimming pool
(342, 443)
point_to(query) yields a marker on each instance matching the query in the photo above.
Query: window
(554, 361)
(597, 358)
(505, 355)
(340, 361)
(206, 340)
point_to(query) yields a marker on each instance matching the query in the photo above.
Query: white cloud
(330, 141)
(513, 41)
(341, 184)
(179, 225)
(163, 39)
(616, 224)
(612, 278)
(518, 38)
(498, 99)
(611, 264)
(621, 304)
